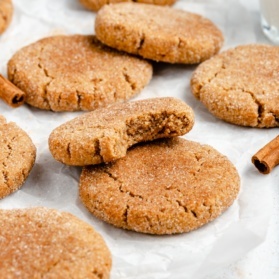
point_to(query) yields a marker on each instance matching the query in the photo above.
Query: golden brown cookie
(158, 33)
(164, 187)
(95, 5)
(17, 157)
(46, 243)
(6, 14)
(241, 85)
(70, 73)
(105, 134)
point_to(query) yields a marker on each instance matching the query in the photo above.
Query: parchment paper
(194, 255)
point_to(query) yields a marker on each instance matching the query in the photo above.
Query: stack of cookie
(163, 184)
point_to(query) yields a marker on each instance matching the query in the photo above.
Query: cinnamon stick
(11, 94)
(267, 157)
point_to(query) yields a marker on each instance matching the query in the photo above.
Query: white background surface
(246, 233)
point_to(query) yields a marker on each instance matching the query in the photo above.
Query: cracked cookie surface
(17, 157)
(158, 33)
(164, 187)
(71, 73)
(6, 14)
(46, 243)
(241, 85)
(105, 134)
(95, 5)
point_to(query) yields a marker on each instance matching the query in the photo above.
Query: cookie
(95, 5)
(167, 186)
(6, 14)
(70, 73)
(46, 243)
(240, 85)
(158, 33)
(17, 157)
(105, 134)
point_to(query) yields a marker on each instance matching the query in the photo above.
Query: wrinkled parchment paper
(194, 255)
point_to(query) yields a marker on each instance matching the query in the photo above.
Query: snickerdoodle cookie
(69, 73)
(241, 85)
(105, 134)
(163, 187)
(158, 33)
(6, 14)
(46, 243)
(17, 157)
(95, 5)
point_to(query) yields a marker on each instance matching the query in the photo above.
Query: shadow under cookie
(165, 187)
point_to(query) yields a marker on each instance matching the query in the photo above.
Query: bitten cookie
(158, 33)
(164, 187)
(6, 14)
(46, 243)
(241, 85)
(105, 134)
(17, 157)
(95, 5)
(70, 73)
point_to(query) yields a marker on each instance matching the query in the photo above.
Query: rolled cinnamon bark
(11, 94)
(267, 157)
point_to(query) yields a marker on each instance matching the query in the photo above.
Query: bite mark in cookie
(105, 134)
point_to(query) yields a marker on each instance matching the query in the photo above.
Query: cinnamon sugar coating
(158, 33)
(46, 243)
(241, 85)
(17, 157)
(77, 72)
(105, 134)
(167, 186)
(6, 14)
(95, 5)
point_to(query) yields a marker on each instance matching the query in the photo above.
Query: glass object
(270, 19)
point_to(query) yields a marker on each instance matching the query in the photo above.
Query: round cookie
(240, 85)
(6, 14)
(70, 73)
(158, 33)
(105, 134)
(46, 243)
(164, 187)
(95, 5)
(17, 157)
